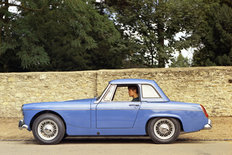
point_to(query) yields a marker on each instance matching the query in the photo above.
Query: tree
(8, 41)
(152, 26)
(180, 61)
(61, 35)
(216, 36)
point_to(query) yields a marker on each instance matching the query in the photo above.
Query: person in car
(133, 92)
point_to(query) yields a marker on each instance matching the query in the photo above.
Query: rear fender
(166, 116)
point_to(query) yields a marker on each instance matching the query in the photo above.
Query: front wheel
(48, 129)
(163, 130)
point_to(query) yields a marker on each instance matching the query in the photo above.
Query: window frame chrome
(103, 94)
(114, 87)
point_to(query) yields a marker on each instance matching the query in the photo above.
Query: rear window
(149, 92)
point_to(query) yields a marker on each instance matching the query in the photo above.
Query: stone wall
(20, 88)
(209, 86)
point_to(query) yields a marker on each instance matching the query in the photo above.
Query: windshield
(102, 93)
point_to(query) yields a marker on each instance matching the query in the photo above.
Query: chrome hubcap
(47, 129)
(164, 128)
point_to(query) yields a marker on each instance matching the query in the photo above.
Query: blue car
(135, 107)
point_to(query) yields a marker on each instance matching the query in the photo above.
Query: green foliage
(150, 23)
(61, 35)
(180, 62)
(216, 36)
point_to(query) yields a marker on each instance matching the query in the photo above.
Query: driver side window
(122, 93)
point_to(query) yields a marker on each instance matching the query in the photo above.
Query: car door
(114, 113)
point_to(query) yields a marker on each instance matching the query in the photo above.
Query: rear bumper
(208, 126)
(22, 125)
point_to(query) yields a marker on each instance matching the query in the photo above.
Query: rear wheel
(48, 129)
(163, 130)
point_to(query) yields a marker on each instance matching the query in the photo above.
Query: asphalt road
(116, 146)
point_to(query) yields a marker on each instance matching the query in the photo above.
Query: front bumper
(22, 125)
(208, 126)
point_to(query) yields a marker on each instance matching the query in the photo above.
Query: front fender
(28, 116)
(74, 118)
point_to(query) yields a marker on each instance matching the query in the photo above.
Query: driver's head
(133, 91)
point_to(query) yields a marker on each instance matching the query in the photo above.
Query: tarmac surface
(116, 146)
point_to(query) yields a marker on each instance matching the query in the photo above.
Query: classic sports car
(114, 113)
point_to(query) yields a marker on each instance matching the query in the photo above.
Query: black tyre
(48, 129)
(163, 130)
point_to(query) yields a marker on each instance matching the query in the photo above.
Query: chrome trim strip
(58, 109)
(77, 109)
(115, 109)
(169, 109)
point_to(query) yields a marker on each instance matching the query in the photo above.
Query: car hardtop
(132, 81)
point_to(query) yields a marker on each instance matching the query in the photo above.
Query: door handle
(134, 105)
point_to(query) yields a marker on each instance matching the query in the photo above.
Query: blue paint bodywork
(91, 117)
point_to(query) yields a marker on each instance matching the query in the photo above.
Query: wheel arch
(164, 116)
(46, 112)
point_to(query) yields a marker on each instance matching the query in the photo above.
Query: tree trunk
(0, 37)
(160, 33)
(160, 48)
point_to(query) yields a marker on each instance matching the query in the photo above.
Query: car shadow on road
(116, 140)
